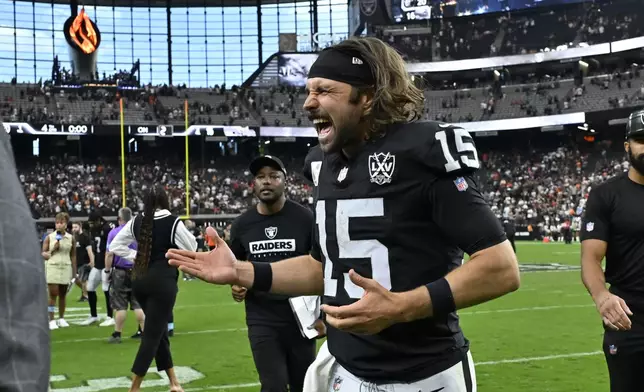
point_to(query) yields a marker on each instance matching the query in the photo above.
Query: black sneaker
(171, 333)
(137, 335)
(114, 339)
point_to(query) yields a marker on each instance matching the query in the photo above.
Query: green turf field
(545, 337)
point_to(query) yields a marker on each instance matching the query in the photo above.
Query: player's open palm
(614, 312)
(216, 266)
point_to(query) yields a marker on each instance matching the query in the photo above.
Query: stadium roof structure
(174, 3)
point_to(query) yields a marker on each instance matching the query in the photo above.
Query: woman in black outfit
(154, 281)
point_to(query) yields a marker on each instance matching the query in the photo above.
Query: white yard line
(532, 308)
(207, 305)
(225, 386)
(476, 312)
(544, 358)
(176, 333)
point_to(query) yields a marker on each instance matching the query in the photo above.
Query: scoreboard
(415, 9)
(163, 130)
(194, 130)
(409, 11)
(151, 130)
(48, 129)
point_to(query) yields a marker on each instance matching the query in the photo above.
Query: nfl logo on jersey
(461, 184)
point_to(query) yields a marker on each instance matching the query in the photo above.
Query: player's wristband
(441, 297)
(263, 276)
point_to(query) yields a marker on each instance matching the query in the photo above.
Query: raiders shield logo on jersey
(270, 232)
(381, 167)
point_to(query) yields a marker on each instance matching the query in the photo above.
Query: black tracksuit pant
(282, 356)
(624, 350)
(156, 292)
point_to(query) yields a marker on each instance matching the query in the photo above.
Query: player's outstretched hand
(614, 312)
(377, 309)
(216, 266)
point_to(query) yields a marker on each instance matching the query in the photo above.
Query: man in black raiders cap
(277, 228)
(395, 209)
(613, 227)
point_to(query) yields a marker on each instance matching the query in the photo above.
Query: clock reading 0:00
(69, 128)
(77, 128)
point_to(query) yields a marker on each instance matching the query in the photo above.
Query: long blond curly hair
(395, 97)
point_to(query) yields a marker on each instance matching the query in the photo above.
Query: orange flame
(83, 34)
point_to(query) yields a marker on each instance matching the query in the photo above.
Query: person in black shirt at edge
(613, 227)
(192, 227)
(276, 229)
(510, 231)
(154, 281)
(84, 256)
(396, 208)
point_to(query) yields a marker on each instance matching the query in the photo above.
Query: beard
(341, 139)
(636, 161)
(271, 198)
(346, 129)
(347, 138)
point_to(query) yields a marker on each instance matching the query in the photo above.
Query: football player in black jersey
(275, 229)
(99, 230)
(396, 208)
(613, 227)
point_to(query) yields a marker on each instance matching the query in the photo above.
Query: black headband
(342, 66)
(635, 125)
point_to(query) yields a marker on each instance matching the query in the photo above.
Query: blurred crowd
(516, 32)
(78, 188)
(539, 188)
(517, 97)
(545, 189)
(514, 95)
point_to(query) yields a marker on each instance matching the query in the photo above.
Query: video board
(413, 10)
